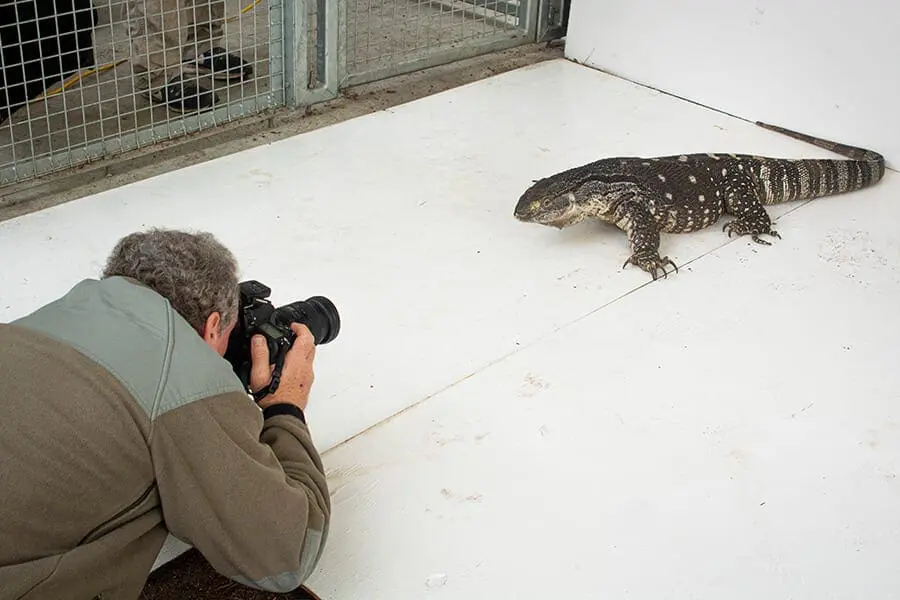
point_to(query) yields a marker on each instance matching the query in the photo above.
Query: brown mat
(190, 577)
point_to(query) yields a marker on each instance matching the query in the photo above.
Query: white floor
(573, 431)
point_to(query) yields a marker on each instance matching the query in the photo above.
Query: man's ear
(212, 328)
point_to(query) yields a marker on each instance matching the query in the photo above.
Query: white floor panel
(404, 218)
(734, 433)
(731, 430)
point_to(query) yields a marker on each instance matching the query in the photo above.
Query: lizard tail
(802, 179)
(843, 149)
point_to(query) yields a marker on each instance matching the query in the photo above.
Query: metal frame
(553, 15)
(298, 91)
(289, 72)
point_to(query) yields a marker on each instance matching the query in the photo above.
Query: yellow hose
(76, 77)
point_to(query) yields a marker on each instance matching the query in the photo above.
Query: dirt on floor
(190, 577)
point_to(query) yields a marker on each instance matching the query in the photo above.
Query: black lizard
(679, 194)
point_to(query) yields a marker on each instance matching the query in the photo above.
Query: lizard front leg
(634, 218)
(751, 218)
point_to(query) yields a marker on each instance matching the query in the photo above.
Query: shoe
(225, 66)
(185, 96)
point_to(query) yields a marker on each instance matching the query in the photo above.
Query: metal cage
(82, 80)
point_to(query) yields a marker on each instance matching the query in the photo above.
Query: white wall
(828, 68)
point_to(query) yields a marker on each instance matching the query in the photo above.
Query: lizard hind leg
(751, 219)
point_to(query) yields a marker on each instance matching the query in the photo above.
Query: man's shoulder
(135, 334)
(195, 372)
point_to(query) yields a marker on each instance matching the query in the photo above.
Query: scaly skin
(678, 194)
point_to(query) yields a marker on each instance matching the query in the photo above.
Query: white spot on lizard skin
(740, 166)
(712, 156)
(646, 164)
(692, 179)
(682, 158)
(804, 179)
(705, 211)
(724, 172)
(702, 198)
(661, 177)
(843, 169)
(764, 177)
(668, 196)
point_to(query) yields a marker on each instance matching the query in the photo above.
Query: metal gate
(382, 38)
(73, 73)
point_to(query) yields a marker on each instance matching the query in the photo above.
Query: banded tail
(784, 180)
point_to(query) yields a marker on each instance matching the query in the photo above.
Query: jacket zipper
(118, 515)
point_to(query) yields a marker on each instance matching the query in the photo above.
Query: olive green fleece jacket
(120, 425)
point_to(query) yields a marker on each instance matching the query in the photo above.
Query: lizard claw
(740, 227)
(651, 263)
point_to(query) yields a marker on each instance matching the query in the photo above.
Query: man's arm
(247, 490)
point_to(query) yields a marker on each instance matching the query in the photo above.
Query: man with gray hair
(123, 422)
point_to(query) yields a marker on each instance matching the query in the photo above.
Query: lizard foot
(754, 230)
(651, 262)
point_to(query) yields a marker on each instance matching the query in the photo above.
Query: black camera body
(257, 315)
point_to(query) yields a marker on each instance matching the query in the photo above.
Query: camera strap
(276, 376)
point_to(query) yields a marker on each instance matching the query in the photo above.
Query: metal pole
(296, 44)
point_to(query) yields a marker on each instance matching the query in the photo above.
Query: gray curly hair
(194, 271)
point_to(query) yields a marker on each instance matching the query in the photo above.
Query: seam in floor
(538, 339)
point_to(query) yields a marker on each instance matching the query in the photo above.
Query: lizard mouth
(566, 219)
(558, 217)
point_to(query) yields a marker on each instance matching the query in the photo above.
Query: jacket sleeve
(246, 488)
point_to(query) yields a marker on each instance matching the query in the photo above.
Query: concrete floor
(509, 413)
(104, 106)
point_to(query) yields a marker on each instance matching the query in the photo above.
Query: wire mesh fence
(87, 79)
(384, 36)
(83, 80)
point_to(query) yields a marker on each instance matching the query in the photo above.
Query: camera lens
(318, 313)
(330, 319)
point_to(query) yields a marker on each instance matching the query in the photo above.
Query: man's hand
(296, 374)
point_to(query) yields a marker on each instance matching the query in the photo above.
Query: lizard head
(547, 202)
